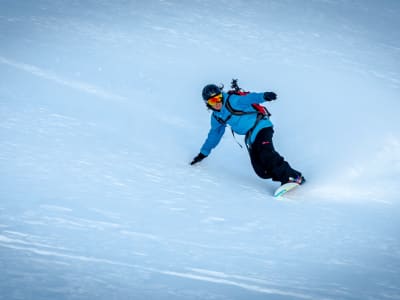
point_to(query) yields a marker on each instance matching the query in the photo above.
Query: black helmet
(210, 90)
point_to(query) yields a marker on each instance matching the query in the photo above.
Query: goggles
(214, 100)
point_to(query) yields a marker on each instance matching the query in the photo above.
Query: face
(215, 102)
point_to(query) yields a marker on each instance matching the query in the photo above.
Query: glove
(269, 96)
(198, 158)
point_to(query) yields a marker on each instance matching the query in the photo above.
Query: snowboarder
(242, 112)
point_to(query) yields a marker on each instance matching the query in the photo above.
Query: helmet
(210, 90)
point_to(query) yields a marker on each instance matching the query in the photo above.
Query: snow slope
(100, 114)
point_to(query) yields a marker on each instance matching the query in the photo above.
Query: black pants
(268, 163)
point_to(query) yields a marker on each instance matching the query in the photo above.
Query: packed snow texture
(101, 113)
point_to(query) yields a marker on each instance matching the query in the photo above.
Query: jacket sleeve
(215, 134)
(252, 98)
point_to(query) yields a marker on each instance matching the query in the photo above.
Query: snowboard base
(284, 188)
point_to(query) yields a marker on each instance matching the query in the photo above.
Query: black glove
(198, 158)
(269, 96)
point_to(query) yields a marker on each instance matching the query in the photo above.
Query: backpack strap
(235, 111)
(221, 120)
(260, 116)
(232, 111)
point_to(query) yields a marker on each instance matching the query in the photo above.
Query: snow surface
(100, 115)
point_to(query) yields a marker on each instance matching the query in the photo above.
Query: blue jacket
(239, 124)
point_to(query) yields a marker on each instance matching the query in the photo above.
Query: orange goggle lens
(214, 100)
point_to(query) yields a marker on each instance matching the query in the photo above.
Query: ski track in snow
(81, 86)
(247, 283)
(51, 216)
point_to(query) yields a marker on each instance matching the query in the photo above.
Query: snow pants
(266, 161)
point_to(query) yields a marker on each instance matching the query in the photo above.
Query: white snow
(101, 113)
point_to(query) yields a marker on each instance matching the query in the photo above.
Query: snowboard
(284, 188)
